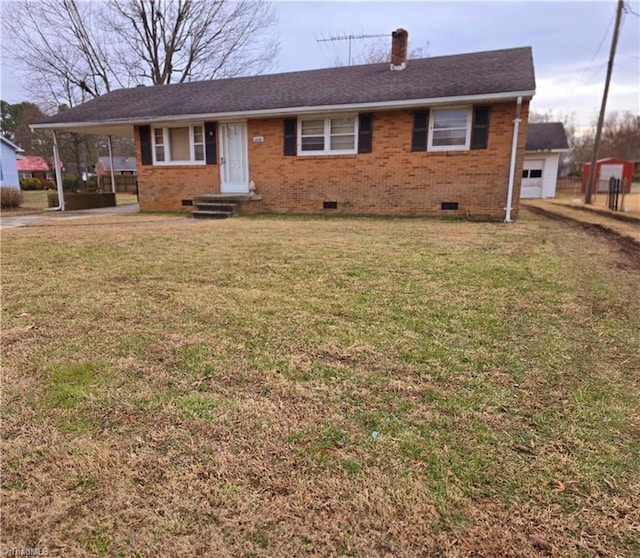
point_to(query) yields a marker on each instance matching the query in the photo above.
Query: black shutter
(365, 133)
(290, 136)
(145, 145)
(420, 128)
(210, 143)
(480, 129)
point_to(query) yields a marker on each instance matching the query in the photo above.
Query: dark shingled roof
(546, 136)
(482, 73)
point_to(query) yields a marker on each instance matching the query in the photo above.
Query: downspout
(56, 162)
(113, 176)
(514, 157)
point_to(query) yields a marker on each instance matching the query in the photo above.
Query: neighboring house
(545, 142)
(121, 166)
(431, 136)
(8, 163)
(32, 166)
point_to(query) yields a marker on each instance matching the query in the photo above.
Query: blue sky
(570, 40)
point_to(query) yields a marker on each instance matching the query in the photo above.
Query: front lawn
(290, 386)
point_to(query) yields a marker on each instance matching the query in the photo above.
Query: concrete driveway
(8, 222)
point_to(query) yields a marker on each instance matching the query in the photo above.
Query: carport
(108, 130)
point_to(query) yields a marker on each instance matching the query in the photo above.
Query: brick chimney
(399, 49)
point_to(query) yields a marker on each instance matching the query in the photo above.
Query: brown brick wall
(162, 188)
(390, 180)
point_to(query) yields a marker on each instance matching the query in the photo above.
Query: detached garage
(605, 170)
(545, 142)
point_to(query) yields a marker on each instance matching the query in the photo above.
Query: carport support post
(56, 162)
(113, 176)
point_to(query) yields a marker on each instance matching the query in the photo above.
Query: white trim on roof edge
(386, 105)
(12, 145)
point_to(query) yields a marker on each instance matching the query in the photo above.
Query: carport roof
(491, 75)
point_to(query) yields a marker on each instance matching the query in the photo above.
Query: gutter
(514, 156)
(286, 111)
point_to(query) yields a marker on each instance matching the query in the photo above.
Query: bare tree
(166, 41)
(79, 50)
(76, 50)
(65, 52)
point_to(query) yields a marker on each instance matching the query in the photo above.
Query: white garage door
(532, 172)
(606, 172)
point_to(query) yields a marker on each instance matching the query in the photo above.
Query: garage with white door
(532, 172)
(545, 142)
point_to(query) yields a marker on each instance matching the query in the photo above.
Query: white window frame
(327, 135)
(467, 143)
(167, 146)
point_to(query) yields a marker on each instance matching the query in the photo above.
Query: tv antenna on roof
(349, 38)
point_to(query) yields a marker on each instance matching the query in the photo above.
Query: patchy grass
(289, 386)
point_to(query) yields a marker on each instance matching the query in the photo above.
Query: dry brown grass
(173, 387)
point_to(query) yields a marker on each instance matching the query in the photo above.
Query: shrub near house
(10, 198)
(30, 184)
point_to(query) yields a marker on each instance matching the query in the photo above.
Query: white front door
(532, 172)
(234, 162)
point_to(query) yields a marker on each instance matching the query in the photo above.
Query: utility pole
(596, 142)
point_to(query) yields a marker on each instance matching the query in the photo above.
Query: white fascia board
(542, 151)
(222, 116)
(12, 145)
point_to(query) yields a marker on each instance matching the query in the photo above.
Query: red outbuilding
(605, 169)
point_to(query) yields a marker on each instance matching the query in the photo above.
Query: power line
(628, 10)
(606, 34)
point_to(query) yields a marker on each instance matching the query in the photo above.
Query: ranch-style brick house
(434, 136)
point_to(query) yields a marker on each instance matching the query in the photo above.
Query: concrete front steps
(210, 210)
(219, 206)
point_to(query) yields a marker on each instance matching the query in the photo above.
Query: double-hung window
(450, 129)
(327, 136)
(178, 145)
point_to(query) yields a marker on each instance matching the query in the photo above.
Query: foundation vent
(449, 206)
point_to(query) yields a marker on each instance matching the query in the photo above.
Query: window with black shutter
(290, 136)
(210, 142)
(480, 128)
(365, 133)
(145, 145)
(420, 130)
